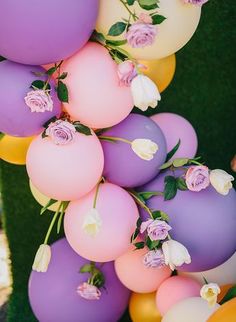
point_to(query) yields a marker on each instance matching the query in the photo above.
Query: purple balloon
(45, 31)
(53, 295)
(204, 222)
(122, 166)
(16, 117)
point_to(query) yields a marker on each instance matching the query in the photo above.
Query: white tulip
(42, 259)
(92, 222)
(210, 292)
(144, 148)
(145, 92)
(221, 181)
(175, 254)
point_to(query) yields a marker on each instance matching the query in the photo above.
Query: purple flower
(141, 34)
(88, 291)
(197, 178)
(126, 72)
(154, 258)
(39, 101)
(197, 2)
(61, 132)
(156, 229)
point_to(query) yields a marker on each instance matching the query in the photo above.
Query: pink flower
(197, 2)
(61, 132)
(39, 101)
(197, 178)
(88, 291)
(126, 72)
(145, 18)
(154, 258)
(140, 34)
(156, 229)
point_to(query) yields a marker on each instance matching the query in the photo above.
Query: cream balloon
(172, 34)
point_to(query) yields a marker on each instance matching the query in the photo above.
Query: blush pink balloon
(95, 96)
(65, 172)
(135, 275)
(118, 213)
(175, 289)
(176, 127)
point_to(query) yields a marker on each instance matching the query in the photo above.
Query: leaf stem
(114, 138)
(52, 223)
(134, 16)
(142, 204)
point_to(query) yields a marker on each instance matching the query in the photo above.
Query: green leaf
(157, 19)
(149, 194)
(135, 235)
(156, 214)
(148, 4)
(51, 70)
(116, 42)
(63, 75)
(117, 29)
(39, 84)
(81, 128)
(85, 268)
(173, 151)
(181, 184)
(48, 204)
(51, 120)
(170, 189)
(1, 135)
(139, 245)
(179, 162)
(98, 37)
(62, 92)
(166, 165)
(229, 295)
(108, 140)
(152, 244)
(2, 58)
(130, 2)
(98, 278)
(44, 135)
(139, 222)
(164, 216)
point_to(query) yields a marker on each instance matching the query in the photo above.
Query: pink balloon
(176, 127)
(175, 289)
(65, 172)
(95, 96)
(118, 213)
(135, 275)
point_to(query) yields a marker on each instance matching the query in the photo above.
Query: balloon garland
(140, 211)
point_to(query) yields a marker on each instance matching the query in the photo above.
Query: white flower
(145, 92)
(42, 258)
(221, 181)
(144, 148)
(210, 292)
(92, 222)
(175, 254)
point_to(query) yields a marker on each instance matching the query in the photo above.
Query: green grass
(203, 90)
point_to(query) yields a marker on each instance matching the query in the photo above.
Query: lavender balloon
(204, 222)
(46, 31)
(16, 117)
(122, 166)
(53, 295)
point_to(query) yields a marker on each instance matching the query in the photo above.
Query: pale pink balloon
(65, 172)
(95, 96)
(176, 127)
(118, 213)
(174, 290)
(135, 275)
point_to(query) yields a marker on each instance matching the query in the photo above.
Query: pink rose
(154, 258)
(140, 35)
(39, 101)
(145, 18)
(88, 291)
(197, 2)
(197, 178)
(61, 132)
(156, 229)
(126, 72)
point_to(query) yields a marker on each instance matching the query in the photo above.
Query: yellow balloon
(13, 149)
(142, 308)
(42, 199)
(225, 313)
(161, 71)
(172, 34)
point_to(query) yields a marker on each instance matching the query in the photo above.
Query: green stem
(142, 204)
(114, 139)
(128, 9)
(96, 195)
(52, 223)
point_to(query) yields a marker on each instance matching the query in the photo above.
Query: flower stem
(142, 204)
(96, 196)
(52, 223)
(128, 9)
(113, 138)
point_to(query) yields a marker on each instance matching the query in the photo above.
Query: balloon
(95, 96)
(65, 172)
(180, 288)
(142, 308)
(42, 199)
(193, 309)
(16, 117)
(65, 28)
(223, 274)
(135, 275)
(176, 127)
(122, 165)
(172, 34)
(118, 214)
(53, 295)
(196, 221)
(161, 71)
(223, 291)
(225, 313)
(14, 149)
